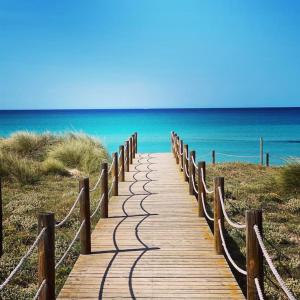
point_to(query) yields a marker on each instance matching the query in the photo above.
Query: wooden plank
(153, 245)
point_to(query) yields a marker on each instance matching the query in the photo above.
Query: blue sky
(149, 53)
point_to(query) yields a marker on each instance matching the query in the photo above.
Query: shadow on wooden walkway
(153, 245)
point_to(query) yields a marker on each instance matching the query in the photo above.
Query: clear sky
(149, 53)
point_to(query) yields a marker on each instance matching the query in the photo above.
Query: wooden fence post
(267, 159)
(254, 257)
(130, 150)
(1, 219)
(136, 142)
(46, 256)
(127, 158)
(172, 143)
(201, 190)
(218, 215)
(177, 149)
(115, 174)
(261, 150)
(85, 233)
(133, 146)
(185, 161)
(104, 190)
(213, 156)
(192, 172)
(181, 156)
(122, 166)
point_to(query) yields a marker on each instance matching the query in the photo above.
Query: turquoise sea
(227, 131)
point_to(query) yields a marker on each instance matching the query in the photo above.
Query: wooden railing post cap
(201, 163)
(219, 180)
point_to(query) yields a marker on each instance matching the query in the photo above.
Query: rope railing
(70, 246)
(98, 181)
(97, 207)
(234, 155)
(227, 252)
(45, 239)
(70, 211)
(204, 208)
(194, 185)
(233, 224)
(204, 184)
(271, 265)
(195, 165)
(22, 260)
(42, 285)
(254, 242)
(258, 289)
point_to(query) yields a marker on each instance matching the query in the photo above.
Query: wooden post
(1, 219)
(218, 215)
(130, 150)
(85, 233)
(177, 149)
(185, 161)
(192, 172)
(136, 142)
(213, 155)
(115, 174)
(104, 190)
(46, 256)
(201, 189)
(133, 146)
(254, 257)
(122, 165)
(267, 159)
(127, 158)
(261, 149)
(181, 166)
(172, 142)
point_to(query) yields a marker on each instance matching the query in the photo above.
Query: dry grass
(249, 186)
(34, 180)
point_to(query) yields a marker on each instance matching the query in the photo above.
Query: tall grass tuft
(80, 152)
(289, 176)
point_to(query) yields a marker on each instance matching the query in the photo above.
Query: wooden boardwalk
(153, 245)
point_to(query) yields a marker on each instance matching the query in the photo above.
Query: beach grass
(275, 190)
(41, 173)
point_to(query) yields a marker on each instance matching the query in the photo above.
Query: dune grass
(40, 173)
(275, 190)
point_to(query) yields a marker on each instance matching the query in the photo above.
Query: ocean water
(227, 131)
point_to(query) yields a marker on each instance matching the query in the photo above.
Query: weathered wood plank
(153, 245)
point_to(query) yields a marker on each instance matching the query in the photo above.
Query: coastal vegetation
(275, 190)
(40, 172)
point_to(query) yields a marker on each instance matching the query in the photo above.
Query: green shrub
(54, 167)
(80, 152)
(289, 177)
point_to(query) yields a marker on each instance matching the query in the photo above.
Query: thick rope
(98, 206)
(36, 296)
(70, 211)
(204, 208)
(98, 181)
(271, 265)
(186, 172)
(70, 246)
(111, 166)
(195, 165)
(204, 184)
(258, 289)
(18, 266)
(233, 224)
(227, 252)
(242, 156)
(111, 187)
(194, 186)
